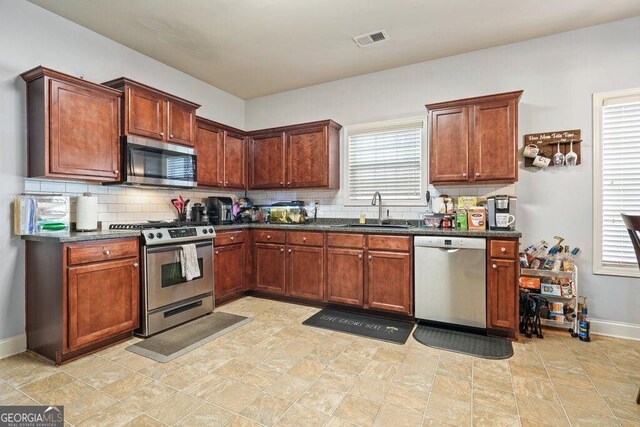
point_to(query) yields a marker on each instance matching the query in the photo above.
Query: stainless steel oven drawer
(176, 314)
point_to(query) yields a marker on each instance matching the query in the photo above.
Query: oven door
(165, 284)
(149, 162)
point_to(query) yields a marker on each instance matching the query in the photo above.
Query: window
(616, 134)
(386, 157)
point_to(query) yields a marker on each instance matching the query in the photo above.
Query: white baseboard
(615, 329)
(13, 345)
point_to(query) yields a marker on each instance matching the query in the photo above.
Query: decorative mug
(504, 219)
(541, 161)
(531, 151)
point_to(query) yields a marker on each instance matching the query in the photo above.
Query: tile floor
(274, 371)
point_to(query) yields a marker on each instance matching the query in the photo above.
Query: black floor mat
(464, 342)
(365, 326)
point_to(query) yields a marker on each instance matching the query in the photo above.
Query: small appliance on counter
(219, 210)
(197, 212)
(501, 212)
(293, 212)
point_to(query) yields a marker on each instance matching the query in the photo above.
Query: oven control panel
(159, 236)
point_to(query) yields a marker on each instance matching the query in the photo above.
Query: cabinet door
(495, 141)
(234, 164)
(84, 133)
(182, 123)
(449, 145)
(389, 281)
(266, 154)
(307, 159)
(209, 148)
(502, 294)
(269, 268)
(102, 301)
(228, 264)
(146, 114)
(345, 276)
(305, 268)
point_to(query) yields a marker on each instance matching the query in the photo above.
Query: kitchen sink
(397, 226)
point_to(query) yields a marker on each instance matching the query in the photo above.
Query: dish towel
(189, 262)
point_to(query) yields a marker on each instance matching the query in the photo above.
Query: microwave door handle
(175, 248)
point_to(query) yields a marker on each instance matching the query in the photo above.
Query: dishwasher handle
(449, 250)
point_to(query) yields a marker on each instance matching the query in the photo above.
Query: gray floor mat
(464, 342)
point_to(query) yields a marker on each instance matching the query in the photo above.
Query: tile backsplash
(121, 204)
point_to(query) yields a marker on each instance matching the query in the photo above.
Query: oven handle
(175, 248)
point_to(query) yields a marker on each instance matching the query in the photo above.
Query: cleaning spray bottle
(584, 325)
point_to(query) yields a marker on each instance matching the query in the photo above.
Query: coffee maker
(219, 210)
(502, 212)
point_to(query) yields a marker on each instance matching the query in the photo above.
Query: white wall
(558, 74)
(31, 36)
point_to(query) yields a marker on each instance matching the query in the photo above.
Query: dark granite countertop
(80, 236)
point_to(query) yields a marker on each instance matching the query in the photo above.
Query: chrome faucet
(373, 203)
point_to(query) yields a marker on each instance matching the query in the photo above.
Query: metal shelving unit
(573, 325)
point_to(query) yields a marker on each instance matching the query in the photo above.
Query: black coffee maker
(219, 210)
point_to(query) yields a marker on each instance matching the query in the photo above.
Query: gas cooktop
(163, 232)
(157, 224)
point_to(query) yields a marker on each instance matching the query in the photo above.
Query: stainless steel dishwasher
(450, 280)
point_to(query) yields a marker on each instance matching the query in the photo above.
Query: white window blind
(386, 158)
(620, 185)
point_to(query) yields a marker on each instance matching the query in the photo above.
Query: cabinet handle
(115, 171)
(494, 266)
(503, 249)
(289, 251)
(161, 133)
(135, 265)
(106, 252)
(464, 174)
(477, 173)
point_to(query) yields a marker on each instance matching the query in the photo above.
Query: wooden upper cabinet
(310, 154)
(474, 140)
(208, 145)
(146, 113)
(181, 123)
(266, 160)
(155, 114)
(234, 160)
(449, 149)
(495, 141)
(73, 127)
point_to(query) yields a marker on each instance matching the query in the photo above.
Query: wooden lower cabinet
(389, 281)
(502, 288)
(102, 301)
(305, 272)
(228, 272)
(270, 268)
(345, 276)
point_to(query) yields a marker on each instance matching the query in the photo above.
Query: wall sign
(545, 144)
(545, 138)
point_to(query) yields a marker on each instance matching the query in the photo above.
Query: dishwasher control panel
(450, 242)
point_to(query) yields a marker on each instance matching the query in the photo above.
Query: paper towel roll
(87, 213)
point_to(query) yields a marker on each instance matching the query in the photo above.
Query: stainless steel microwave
(156, 163)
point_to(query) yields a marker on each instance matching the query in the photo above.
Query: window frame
(378, 125)
(598, 267)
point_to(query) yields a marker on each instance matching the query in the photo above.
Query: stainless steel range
(168, 299)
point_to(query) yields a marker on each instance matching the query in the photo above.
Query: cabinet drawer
(102, 250)
(345, 240)
(504, 248)
(270, 236)
(389, 243)
(230, 237)
(305, 238)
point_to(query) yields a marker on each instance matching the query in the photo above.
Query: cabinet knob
(304, 239)
(135, 265)
(231, 238)
(106, 252)
(477, 173)
(170, 135)
(226, 182)
(289, 251)
(503, 249)
(370, 257)
(115, 171)
(219, 182)
(281, 182)
(281, 249)
(494, 266)
(360, 256)
(464, 174)
(268, 237)
(217, 252)
(288, 182)
(161, 133)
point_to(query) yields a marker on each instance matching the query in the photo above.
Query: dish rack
(573, 276)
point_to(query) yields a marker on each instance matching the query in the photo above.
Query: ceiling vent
(370, 38)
